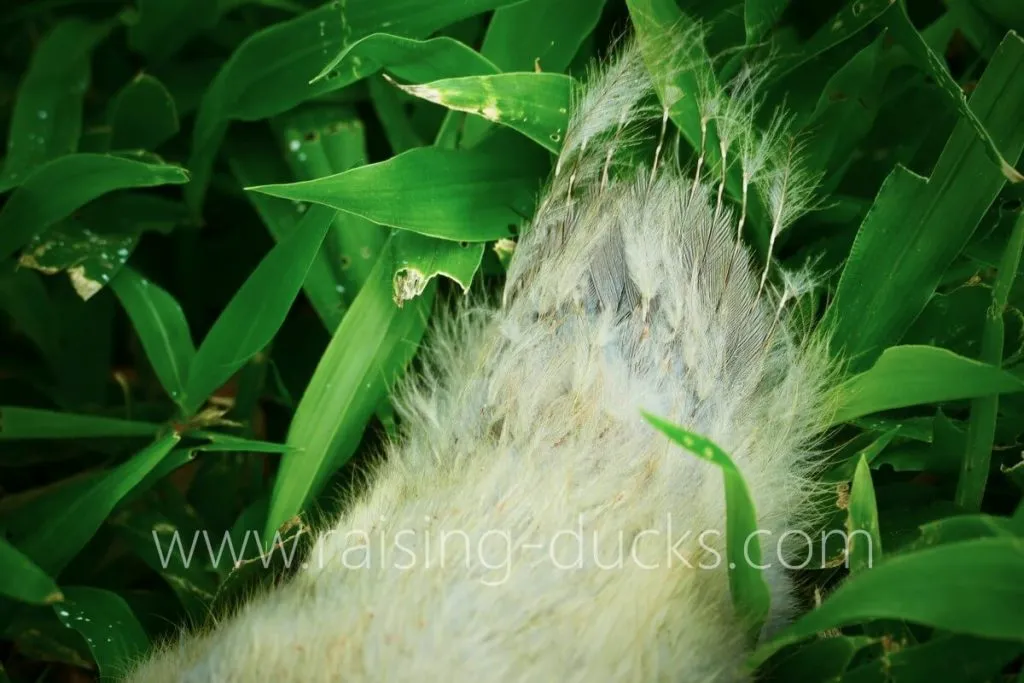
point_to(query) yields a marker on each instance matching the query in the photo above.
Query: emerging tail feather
(582, 545)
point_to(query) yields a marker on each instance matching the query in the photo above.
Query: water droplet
(294, 145)
(42, 114)
(555, 137)
(340, 289)
(302, 156)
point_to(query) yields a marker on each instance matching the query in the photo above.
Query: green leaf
(90, 259)
(911, 375)
(368, 351)
(946, 657)
(981, 431)
(750, 594)
(258, 309)
(468, 195)
(419, 259)
(236, 444)
(972, 588)
(143, 115)
(322, 141)
(58, 537)
(916, 227)
(846, 23)
(901, 28)
(114, 635)
(537, 35)
(253, 162)
(47, 118)
(865, 542)
(32, 423)
(23, 580)
(535, 104)
(35, 206)
(162, 329)
(408, 58)
(285, 58)
(759, 16)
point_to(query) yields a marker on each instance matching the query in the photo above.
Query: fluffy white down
(628, 292)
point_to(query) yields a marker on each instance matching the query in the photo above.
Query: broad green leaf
(23, 580)
(143, 115)
(467, 195)
(759, 16)
(33, 423)
(408, 58)
(916, 227)
(35, 206)
(535, 104)
(258, 309)
(865, 544)
(59, 536)
(368, 351)
(537, 35)
(114, 635)
(47, 118)
(284, 59)
(254, 162)
(161, 327)
(972, 587)
(419, 259)
(902, 30)
(750, 594)
(911, 375)
(946, 657)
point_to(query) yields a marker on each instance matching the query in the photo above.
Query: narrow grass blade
(58, 537)
(865, 542)
(984, 410)
(258, 309)
(23, 580)
(35, 423)
(162, 329)
(368, 351)
(750, 594)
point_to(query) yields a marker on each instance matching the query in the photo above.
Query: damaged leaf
(535, 104)
(419, 259)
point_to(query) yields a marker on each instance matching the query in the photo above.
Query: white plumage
(629, 291)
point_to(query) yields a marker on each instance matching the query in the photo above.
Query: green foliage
(279, 193)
